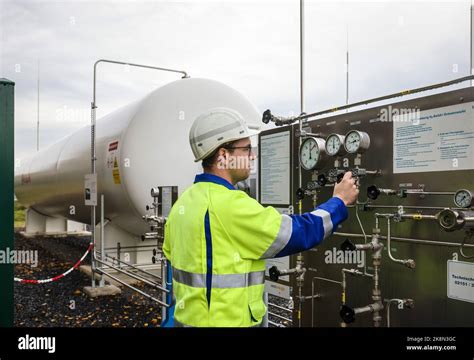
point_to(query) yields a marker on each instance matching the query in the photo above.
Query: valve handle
(322, 179)
(274, 273)
(373, 192)
(348, 245)
(347, 314)
(300, 194)
(267, 116)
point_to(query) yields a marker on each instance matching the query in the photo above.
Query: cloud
(252, 46)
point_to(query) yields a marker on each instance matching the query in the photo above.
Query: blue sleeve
(309, 229)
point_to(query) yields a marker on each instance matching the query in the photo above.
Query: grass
(19, 215)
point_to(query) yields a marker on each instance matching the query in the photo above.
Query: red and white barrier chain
(56, 278)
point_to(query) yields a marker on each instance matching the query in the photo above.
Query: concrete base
(54, 235)
(107, 290)
(87, 270)
(39, 224)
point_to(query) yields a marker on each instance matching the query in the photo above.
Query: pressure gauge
(356, 142)
(463, 198)
(312, 153)
(335, 145)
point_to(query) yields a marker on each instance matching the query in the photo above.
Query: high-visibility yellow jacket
(216, 239)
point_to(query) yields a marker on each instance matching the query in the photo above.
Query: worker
(217, 238)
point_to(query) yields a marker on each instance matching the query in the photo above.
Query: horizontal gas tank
(140, 146)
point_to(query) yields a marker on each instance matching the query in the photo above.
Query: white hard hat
(214, 128)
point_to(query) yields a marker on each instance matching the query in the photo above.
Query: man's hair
(212, 159)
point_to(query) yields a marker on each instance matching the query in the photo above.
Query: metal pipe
(300, 177)
(133, 266)
(408, 240)
(369, 308)
(134, 288)
(265, 317)
(365, 235)
(408, 303)
(347, 66)
(376, 263)
(280, 317)
(431, 192)
(415, 216)
(389, 302)
(471, 42)
(93, 138)
(408, 262)
(132, 275)
(461, 250)
(419, 217)
(275, 324)
(301, 56)
(119, 251)
(163, 276)
(372, 206)
(102, 236)
(131, 247)
(137, 250)
(280, 307)
(377, 99)
(312, 293)
(38, 109)
(303, 134)
(106, 267)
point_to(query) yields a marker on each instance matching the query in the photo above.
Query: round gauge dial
(356, 142)
(312, 153)
(334, 145)
(463, 198)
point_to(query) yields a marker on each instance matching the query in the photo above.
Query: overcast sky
(252, 46)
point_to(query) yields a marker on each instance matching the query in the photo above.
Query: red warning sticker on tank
(113, 145)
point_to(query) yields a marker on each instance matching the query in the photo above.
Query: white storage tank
(140, 146)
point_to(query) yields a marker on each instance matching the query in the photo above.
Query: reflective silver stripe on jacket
(326, 218)
(181, 325)
(220, 281)
(284, 234)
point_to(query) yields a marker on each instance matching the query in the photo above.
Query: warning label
(112, 162)
(440, 139)
(116, 175)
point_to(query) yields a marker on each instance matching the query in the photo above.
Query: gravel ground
(51, 305)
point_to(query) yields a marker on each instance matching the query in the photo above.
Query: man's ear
(221, 158)
(223, 153)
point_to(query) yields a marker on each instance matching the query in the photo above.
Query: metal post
(93, 138)
(38, 109)
(93, 170)
(347, 68)
(300, 203)
(302, 56)
(102, 238)
(119, 250)
(265, 318)
(471, 43)
(7, 102)
(163, 284)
